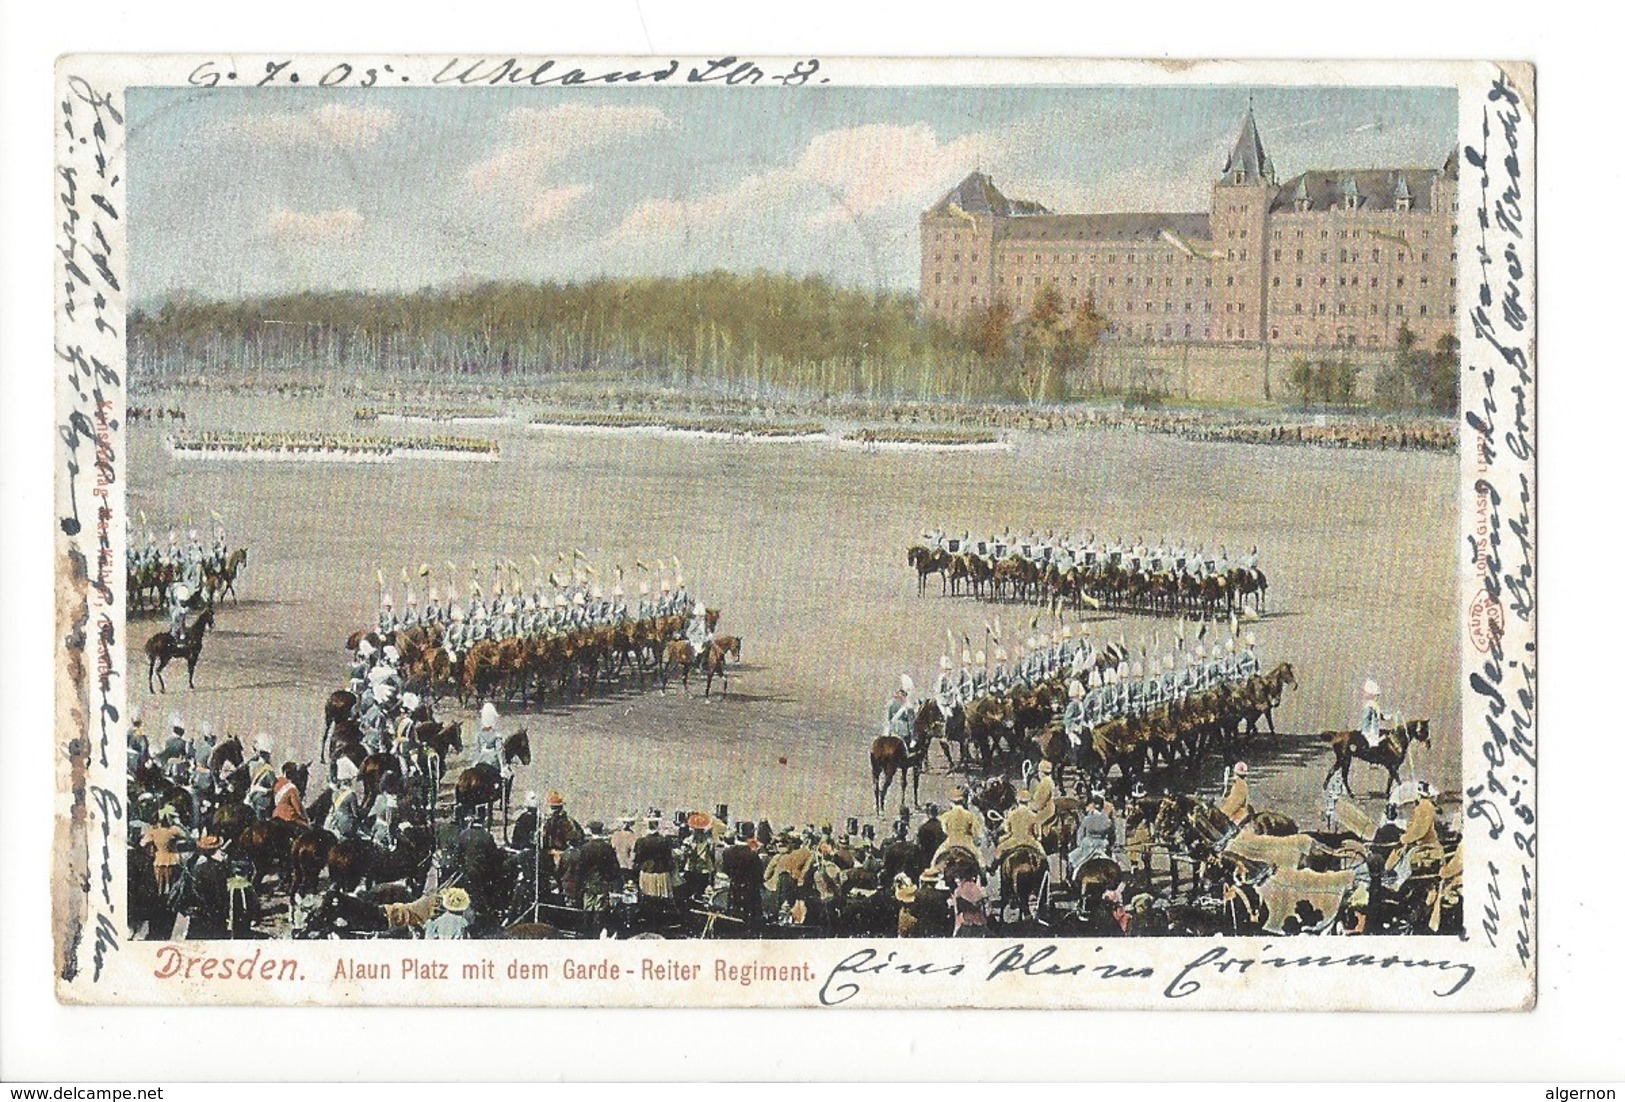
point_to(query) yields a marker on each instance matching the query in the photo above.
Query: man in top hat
(451, 924)
(599, 872)
(1235, 806)
(1371, 716)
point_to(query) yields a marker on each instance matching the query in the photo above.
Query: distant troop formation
(1170, 577)
(181, 577)
(1065, 699)
(563, 630)
(323, 443)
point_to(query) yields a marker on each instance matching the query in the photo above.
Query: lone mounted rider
(697, 632)
(1372, 717)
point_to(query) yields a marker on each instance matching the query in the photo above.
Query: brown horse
(219, 583)
(161, 648)
(680, 655)
(1388, 754)
(483, 785)
(1022, 873)
(931, 725)
(890, 755)
(927, 562)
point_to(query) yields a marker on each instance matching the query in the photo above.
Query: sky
(240, 192)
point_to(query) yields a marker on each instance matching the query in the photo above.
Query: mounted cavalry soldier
(900, 711)
(697, 634)
(1020, 829)
(386, 614)
(218, 553)
(962, 828)
(1072, 716)
(456, 637)
(180, 597)
(192, 572)
(261, 777)
(947, 688)
(1043, 800)
(344, 819)
(1372, 717)
(488, 743)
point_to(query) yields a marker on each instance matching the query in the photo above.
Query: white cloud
(542, 138)
(865, 168)
(550, 205)
(840, 176)
(314, 227)
(336, 125)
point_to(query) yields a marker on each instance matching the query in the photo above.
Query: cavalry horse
(927, 562)
(680, 655)
(223, 582)
(1389, 753)
(1023, 873)
(890, 755)
(484, 784)
(162, 648)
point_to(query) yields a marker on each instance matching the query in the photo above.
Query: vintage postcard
(729, 531)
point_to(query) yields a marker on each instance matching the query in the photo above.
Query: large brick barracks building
(1333, 257)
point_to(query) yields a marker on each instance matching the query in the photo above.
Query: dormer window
(1402, 203)
(1350, 202)
(1302, 204)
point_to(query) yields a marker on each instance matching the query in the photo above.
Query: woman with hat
(451, 924)
(163, 839)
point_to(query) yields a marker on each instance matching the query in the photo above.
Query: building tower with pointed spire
(1241, 203)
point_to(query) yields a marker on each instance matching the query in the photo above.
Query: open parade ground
(801, 545)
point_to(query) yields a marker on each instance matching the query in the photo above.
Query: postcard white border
(1500, 978)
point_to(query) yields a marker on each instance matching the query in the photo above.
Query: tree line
(764, 331)
(760, 332)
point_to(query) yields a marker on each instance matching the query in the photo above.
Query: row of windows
(1345, 281)
(1399, 231)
